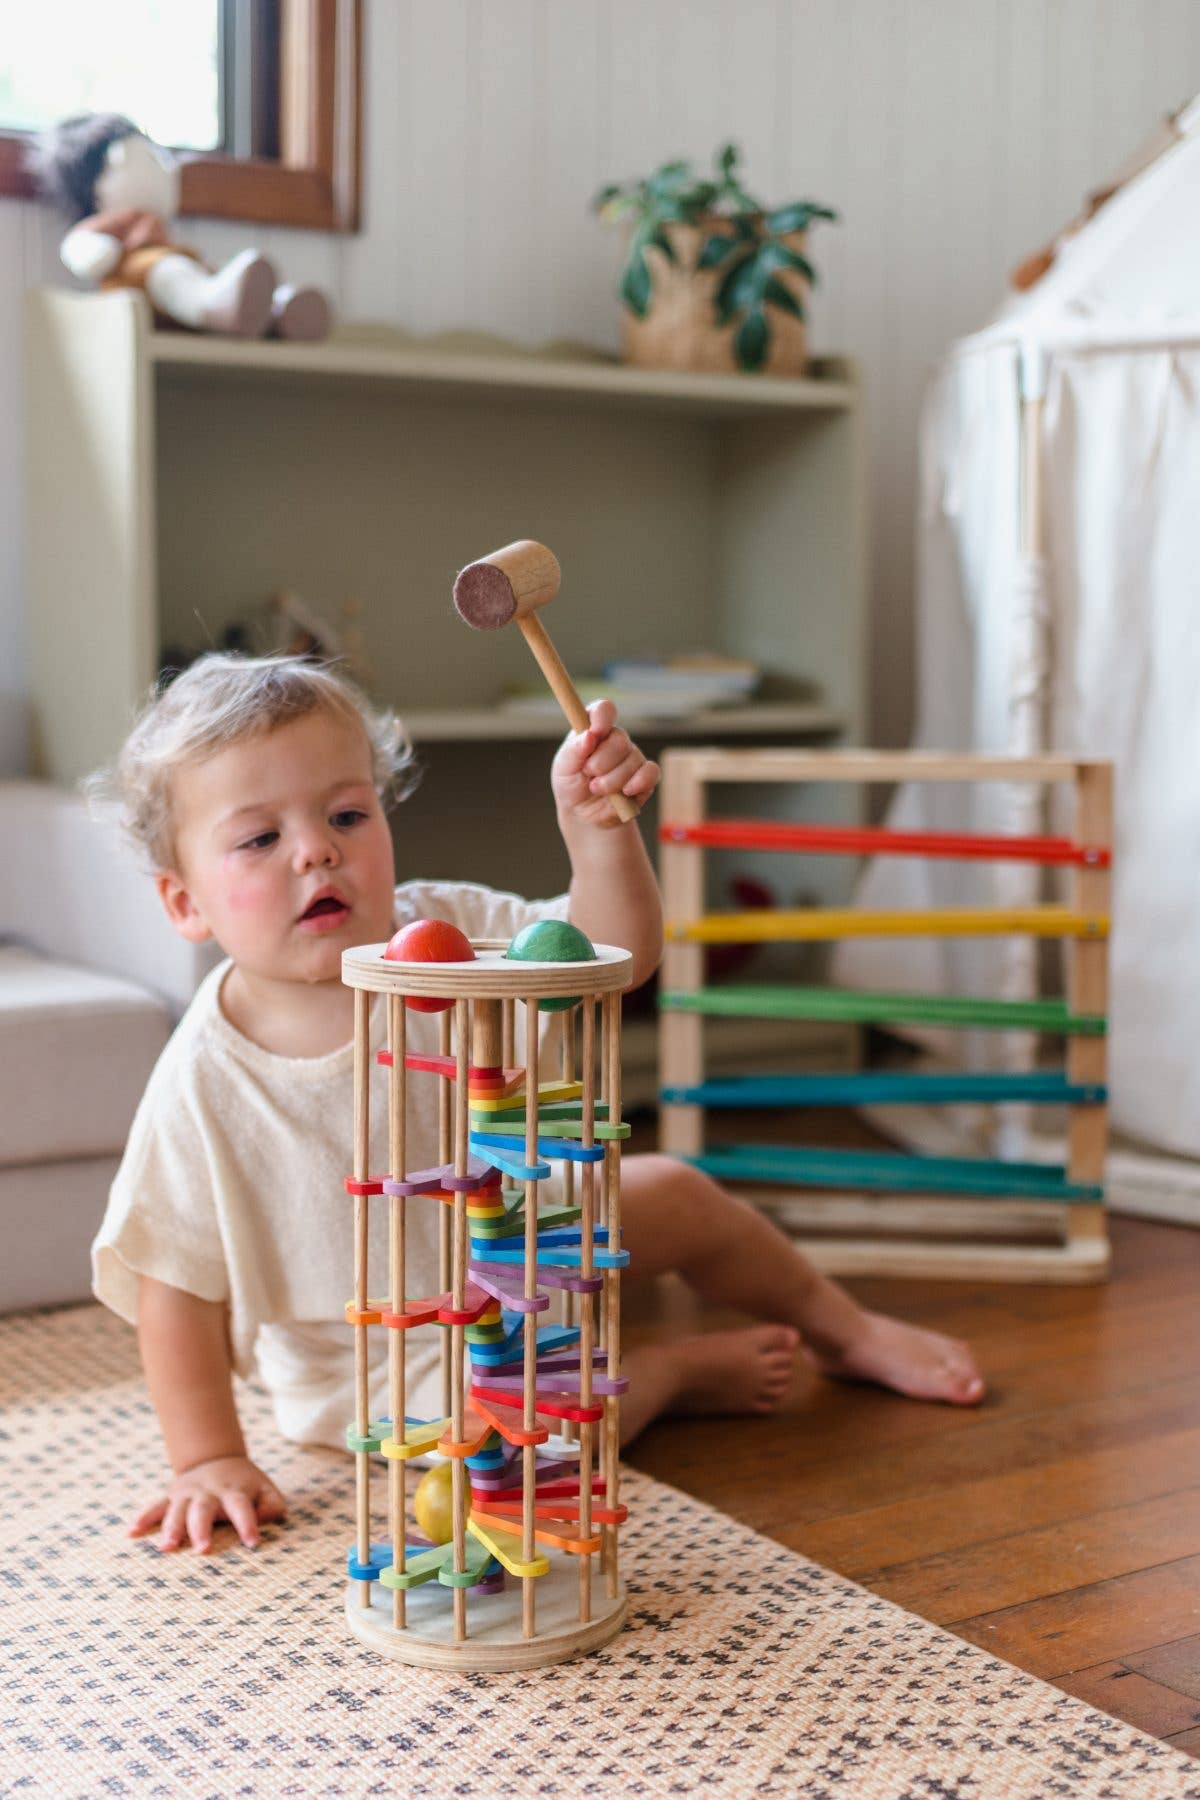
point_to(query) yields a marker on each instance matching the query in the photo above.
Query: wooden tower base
(495, 1644)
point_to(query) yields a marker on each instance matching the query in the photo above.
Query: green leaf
(636, 285)
(605, 195)
(789, 218)
(660, 239)
(622, 206)
(744, 203)
(783, 297)
(727, 160)
(672, 180)
(738, 289)
(752, 340)
(782, 256)
(796, 217)
(715, 250)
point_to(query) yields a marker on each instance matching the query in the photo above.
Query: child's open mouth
(325, 913)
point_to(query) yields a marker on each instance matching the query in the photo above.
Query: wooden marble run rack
(875, 1211)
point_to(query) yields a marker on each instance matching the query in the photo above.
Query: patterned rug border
(745, 1669)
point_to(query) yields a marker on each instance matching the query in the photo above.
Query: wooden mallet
(512, 584)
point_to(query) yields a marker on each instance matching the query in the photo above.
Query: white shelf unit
(799, 719)
(177, 481)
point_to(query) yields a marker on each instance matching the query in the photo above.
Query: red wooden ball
(426, 941)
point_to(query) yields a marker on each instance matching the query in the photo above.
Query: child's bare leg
(675, 1218)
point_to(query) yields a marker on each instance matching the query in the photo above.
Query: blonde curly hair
(222, 699)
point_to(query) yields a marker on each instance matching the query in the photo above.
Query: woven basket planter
(680, 330)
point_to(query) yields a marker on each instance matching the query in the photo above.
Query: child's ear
(180, 908)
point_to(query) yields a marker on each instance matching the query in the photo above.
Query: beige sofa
(91, 981)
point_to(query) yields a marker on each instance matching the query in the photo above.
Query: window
(74, 57)
(260, 96)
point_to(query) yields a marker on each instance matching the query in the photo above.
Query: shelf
(473, 724)
(474, 367)
(686, 509)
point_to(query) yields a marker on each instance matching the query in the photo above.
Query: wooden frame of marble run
(532, 1409)
(892, 1213)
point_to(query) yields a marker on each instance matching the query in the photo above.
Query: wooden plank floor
(1058, 1525)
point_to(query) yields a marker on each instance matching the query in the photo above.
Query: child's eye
(350, 815)
(262, 842)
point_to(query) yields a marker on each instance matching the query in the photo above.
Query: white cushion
(49, 1214)
(76, 1051)
(77, 891)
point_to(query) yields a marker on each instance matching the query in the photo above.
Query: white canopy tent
(1059, 608)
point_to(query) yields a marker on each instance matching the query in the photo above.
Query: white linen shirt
(231, 1188)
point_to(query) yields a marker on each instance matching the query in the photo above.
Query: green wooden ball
(552, 940)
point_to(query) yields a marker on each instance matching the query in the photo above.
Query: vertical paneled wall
(953, 135)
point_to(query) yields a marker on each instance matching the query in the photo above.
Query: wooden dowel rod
(398, 1382)
(529, 1388)
(611, 1053)
(486, 1034)
(567, 1066)
(1087, 989)
(445, 1216)
(362, 1238)
(565, 692)
(462, 1045)
(602, 1078)
(586, 1315)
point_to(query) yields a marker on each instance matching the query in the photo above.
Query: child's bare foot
(922, 1364)
(734, 1371)
(714, 1372)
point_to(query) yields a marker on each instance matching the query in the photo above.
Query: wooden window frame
(315, 183)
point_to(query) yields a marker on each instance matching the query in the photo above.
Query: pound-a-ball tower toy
(528, 1571)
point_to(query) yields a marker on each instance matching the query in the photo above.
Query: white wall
(953, 135)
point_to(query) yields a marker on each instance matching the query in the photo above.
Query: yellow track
(814, 923)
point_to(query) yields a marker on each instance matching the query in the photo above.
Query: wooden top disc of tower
(489, 977)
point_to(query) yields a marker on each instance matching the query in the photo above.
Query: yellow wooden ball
(433, 1503)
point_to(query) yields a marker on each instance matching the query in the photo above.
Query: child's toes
(964, 1383)
(778, 1340)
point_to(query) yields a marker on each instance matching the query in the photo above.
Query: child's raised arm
(185, 1353)
(614, 895)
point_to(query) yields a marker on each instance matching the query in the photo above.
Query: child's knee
(672, 1175)
(664, 1180)
(651, 1169)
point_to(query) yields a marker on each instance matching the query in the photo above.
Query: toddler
(258, 788)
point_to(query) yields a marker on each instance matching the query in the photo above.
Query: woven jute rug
(745, 1670)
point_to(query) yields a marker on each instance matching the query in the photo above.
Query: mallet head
(506, 585)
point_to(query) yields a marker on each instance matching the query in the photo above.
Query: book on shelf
(654, 687)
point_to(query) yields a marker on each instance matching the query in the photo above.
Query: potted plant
(713, 279)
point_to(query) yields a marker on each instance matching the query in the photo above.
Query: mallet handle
(565, 692)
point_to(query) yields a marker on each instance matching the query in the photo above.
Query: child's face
(283, 851)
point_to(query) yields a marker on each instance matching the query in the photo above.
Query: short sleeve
(162, 1219)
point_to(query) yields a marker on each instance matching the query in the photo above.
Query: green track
(748, 1002)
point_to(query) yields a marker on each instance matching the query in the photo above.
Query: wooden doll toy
(510, 1559)
(514, 583)
(121, 192)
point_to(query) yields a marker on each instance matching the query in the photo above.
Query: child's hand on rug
(229, 1487)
